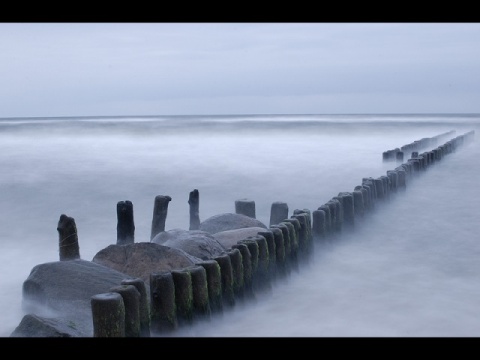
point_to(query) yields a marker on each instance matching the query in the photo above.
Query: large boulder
(141, 259)
(57, 297)
(229, 221)
(200, 244)
(229, 238)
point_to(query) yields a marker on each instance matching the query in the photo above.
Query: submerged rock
(141, 259)
(200, 244)
(229, 238)
(57, 295)
(229, 221)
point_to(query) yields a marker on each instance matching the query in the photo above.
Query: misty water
(410, 268)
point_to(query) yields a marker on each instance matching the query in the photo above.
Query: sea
(410, 268)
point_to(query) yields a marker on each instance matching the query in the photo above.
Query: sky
(124, 69)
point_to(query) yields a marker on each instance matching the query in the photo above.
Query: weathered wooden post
(226, 272)
(328, 219)
(201, 302)
(125, 223)
(245, 207)
(131, 301)
(162, 302)
(182, 281)
(287, 245)
(253, 249)
(247, 268)
(278, 212)
(348, 209)
(68, 238)
(238, 272)
(261, 279)
(214, 282)
(399, 156)
(194, 201)
(108, 312)
(160, 209)
(280, 258)
(293, 226)
(144, 305)
(272, 261)
(319, 225)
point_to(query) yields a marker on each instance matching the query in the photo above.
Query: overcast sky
(90, 69)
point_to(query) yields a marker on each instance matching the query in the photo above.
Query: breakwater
(378, 192)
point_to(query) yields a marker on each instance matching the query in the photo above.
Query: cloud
(60, 69)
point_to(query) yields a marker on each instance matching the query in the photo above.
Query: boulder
(141, 259)
(38, 326)
(229, 221)
(200, 244)
(57, 297)
(229, 238)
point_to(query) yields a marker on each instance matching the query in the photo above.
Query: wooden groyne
(399, 154)
(180, 297)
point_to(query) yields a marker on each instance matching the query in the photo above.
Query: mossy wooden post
(238, 272)
(280, 258)
(294, 230)
(144, 305)
(305, 233)
(348, 209)
(253, 249)
(386, 185)
(247, 268)
(360, 198)
(334, 217)
(380, 191)
(194, 203)
(245, 207)
(272, 253)
(278, 212)
(393, 176)
(226, 272)
(131, 301)
(286, 243)
(262, 278)
(68, 238)
(368, 183)
(306, 238)
(214, 282)
(318, 225)
(125, 223)
(160, 210)
(293, 236)
(201, 302)
(399, 156)
(108, 313)
(162, 303)
(182, 281)
(358, 204)
(339, 213)
(328, 219)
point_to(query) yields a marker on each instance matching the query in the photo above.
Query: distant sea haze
(409, 269)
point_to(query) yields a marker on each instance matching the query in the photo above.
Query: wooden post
(125, 223)
(194, 201)
(162, 302)
(278, 212)
(68, 238)
(160, 209)
(144, 304)
(108, 313)
(131, 301)
(182, 280)
(245, 207)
